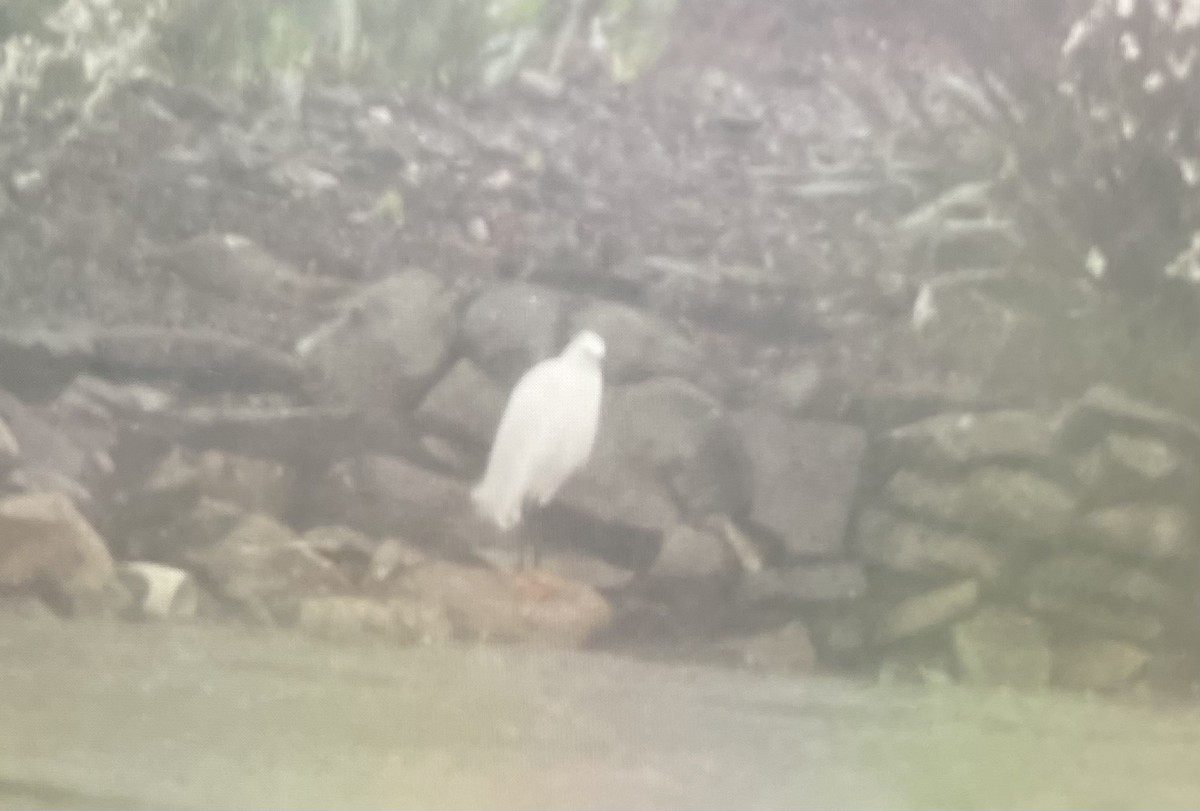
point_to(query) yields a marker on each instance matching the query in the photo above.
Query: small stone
(885, 539)
(928, 610)
(1000, 647)
(1098, 664)
(1148, 532)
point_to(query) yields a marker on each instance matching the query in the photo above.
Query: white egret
(546, 433)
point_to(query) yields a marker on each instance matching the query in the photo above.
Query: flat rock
(1010, 505)
(1147, 532)
(465, 404)
(385, 345)
(511, 326)
(805, 475)
(1098, 664)
(1093, 614)
(928, 610)
(886, 539)
(1090, 576)
(532, 607)
(1124, 467)
(236, 268)
(47, 547)
(1001, 647)
(818, 582)
(206, 360)
(957, 440)
(640, 344)
(1104, 409)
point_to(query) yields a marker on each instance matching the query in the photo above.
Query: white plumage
(546, 433)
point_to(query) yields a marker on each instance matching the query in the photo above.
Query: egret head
(586, 344)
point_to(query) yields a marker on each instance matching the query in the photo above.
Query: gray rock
(1124, 467)
(834, 581)
(690, 554)
(789, 648)
(1087, 577)
(1001, 647)
(1076, 613)
(1105, 409)
(511, 326)
(10, 449)
(51, 460)
(793, 387)
(206, 360)
(805, 475)
(610, 490)
(1148, 532)
(888, 540)
(48, 548)
(640, 344)
(255, 485)
(201, 526)
(1098, 664)
(928, 610)
(953, 441)
(385, 346)
(466, 404)
(658, 424)
(263, 570)
(1014, 506)
(234, 267)
(386, 496)
(1002, 336)
(718, 479)
(35, 364)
